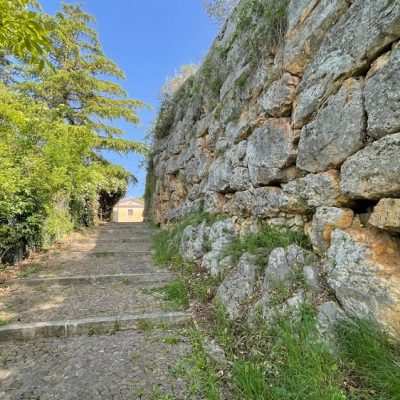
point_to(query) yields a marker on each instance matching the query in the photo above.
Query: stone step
(95, 325)
(138, 279)
(67, 263)
(97, 239)
(110, 252)
(54, 302)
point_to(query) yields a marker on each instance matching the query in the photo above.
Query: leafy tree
(54, 124)
(22, 31)
(80, 84)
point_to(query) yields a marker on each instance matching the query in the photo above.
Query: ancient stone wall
(299, 128)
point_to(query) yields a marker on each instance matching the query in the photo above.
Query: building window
(130, 213)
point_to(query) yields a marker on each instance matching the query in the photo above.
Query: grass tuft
(263, 242)
(372, 361)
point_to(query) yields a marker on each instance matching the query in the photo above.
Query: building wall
(121, 214)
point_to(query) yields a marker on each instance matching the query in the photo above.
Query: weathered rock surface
(282, 264)
(267, 309)
(374, 172)
(363, 270)
(329, 314)
(337, 132)
(309, 22)
(237, 288)
(364, 30)
(325, 221)
(220, 235)
(279, 98)
(314, 191)
(386, 215)
(271, 153)
(382, 95)
(192, 243)
(302, 135)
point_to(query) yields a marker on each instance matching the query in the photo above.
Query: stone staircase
(97, 285)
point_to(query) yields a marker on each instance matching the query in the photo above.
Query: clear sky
(149, 40)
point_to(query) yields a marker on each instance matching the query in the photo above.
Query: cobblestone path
(82, 323)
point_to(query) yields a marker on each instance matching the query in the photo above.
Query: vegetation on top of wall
(173, 91)
(267, 21)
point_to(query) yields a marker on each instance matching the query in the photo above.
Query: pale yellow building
(128, 210)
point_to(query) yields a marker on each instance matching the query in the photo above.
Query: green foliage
(145, 325)
(198, 370)
(264, 241)
(177, 295)
(54, 123)
(30, 269)
(174, 90)
(371, 359)
(286, 360)
(267, 21)
(23, 33)
(3, 321)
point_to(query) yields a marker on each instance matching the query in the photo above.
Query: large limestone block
(237, 288)
(360, 35)
(221, 234)
(278, 100)
(337, 132)
(374, 172)
(325, 221)
(242, 203)
(309, 22)
(267, 202)
(386, 215)
(298, 11)
(363, 269)
(313, 190)
(382, 95)
(192, 243)
(226, 173)
(282, 264)
(271, 152)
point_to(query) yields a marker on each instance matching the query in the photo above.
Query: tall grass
(285, 360)
(264, 241)
(372, 361)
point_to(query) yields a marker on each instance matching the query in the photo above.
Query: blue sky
(149, 40)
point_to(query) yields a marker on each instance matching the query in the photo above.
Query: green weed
(3, 321)
(30, 269)
(371, 359)
(101, 254)
(4, 358)
(173, 339)
(145, 325)
(198, 370)
(263, 242)
(176, 295)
